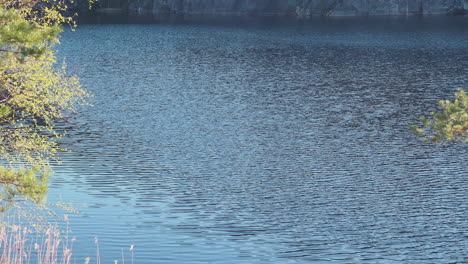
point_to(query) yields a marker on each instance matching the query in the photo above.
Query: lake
(263, 140)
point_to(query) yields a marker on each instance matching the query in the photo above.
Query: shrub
(449, 125)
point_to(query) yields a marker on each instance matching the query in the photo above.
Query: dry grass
(23, 245)
(20, 245)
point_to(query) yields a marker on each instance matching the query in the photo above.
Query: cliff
(300, 7)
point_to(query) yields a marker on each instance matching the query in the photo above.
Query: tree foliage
(29, 183)
(34, 93)
(449, 125)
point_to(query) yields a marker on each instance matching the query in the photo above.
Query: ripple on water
(267, 143)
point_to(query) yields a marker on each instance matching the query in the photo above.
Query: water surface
(240, 140)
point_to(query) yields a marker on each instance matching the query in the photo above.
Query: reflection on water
(253, 141)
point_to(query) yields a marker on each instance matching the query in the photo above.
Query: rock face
(301, 7)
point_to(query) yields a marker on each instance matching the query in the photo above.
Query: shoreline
(140, 12)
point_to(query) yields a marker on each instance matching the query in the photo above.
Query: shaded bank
(290, 7)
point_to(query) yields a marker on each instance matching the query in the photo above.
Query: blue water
(241, 140)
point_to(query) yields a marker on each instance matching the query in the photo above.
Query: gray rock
(302, 7)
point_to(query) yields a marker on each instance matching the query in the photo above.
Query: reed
(22, 245)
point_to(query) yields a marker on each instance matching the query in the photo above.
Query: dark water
(260, 141)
